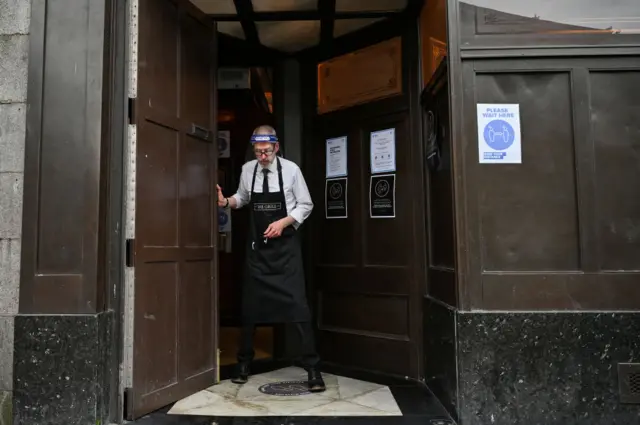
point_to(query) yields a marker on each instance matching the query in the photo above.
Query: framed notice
(335, 198)
(337, 157)
(382, 196)
(383, 151)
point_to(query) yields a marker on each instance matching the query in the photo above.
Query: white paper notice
(383, 151)
(337, 157)
(499, 139)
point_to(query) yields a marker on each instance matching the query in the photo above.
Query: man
(274, 286)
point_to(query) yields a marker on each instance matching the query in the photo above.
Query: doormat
(285, 389)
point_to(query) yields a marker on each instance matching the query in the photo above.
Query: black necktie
(265, 180)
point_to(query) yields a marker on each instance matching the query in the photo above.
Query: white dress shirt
(297, 197)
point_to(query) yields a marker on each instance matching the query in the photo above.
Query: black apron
(274, 287)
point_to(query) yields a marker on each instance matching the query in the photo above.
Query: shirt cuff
(239, 203)
(297, 216)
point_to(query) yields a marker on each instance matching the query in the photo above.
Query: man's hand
(275, 229)
(222, 201)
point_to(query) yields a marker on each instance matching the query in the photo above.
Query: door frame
(116, 112)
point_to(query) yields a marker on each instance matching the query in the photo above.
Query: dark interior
(240, 111)
(352, 262)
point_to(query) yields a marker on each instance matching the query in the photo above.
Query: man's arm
(299, 214)
(242, 196)
(304, 204)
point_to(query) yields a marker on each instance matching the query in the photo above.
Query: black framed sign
(382, 196)
(335, 198)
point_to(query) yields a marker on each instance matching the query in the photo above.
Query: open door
(175, 253)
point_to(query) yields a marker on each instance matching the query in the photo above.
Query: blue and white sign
(499, 140)
(224, 220)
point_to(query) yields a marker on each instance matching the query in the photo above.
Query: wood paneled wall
(366, 75)
(560, 230)
(60, 261)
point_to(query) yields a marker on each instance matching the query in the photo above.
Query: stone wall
(530, 368)
(14, 50)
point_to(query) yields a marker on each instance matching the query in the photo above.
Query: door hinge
(131, 110)
(129, 252)
(127, 404)
(218, 366)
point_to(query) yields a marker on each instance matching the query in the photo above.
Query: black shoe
(316, 383)
(242, 374)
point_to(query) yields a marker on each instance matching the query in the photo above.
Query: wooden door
(363, 268)
(367, 273)
(175, 317)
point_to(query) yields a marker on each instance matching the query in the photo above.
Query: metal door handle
(200, 132)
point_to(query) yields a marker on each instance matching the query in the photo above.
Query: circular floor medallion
(285, 389)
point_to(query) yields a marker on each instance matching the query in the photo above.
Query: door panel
(175, 317)
(363, 269)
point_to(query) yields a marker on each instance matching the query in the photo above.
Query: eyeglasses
(260, 152)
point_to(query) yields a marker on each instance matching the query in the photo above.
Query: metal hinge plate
(130, 252)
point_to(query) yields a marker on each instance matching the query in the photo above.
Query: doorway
(182, 325)
(243, 104)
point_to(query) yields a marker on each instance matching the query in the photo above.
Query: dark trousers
(308, 355)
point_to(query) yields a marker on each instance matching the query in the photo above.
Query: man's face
(265, 152)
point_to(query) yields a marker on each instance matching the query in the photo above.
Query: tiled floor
(346, 402)
(343, 397)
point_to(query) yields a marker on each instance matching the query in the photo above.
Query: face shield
(264, 154)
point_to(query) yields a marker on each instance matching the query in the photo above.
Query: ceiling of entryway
(294, 25)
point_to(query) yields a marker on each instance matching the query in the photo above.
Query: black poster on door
(335, 198)
(382, 196)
